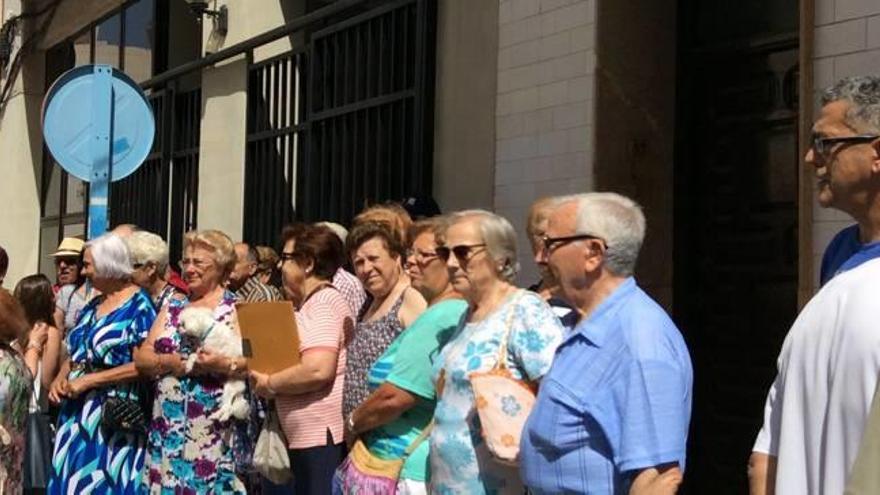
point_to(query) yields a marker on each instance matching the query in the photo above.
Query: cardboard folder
(269, 335)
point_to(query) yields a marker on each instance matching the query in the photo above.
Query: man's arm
(658, 480)
(762, 474)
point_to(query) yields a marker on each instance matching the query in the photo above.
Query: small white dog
(221, 339)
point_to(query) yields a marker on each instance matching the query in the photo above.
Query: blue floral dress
(460, 462)
(15, 394)
(190, 453)
(86, 458)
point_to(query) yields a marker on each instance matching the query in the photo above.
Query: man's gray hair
(499, 236)
(110, 257)
(147, 247)
(618, 220)
(863, 93)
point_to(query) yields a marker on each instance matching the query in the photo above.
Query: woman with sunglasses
(376, 253)
(480, 252)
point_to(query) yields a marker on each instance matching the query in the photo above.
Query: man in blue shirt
(612, 414)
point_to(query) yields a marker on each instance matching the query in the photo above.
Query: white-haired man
(818, 405)
(612, 414)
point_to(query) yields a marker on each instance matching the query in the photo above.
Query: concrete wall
(464, 104)
(846, 43)
(224, 110)
(21, 146)
(635, 108)
(544, 108)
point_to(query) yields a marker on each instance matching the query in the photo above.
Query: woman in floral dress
(88, 458)
(480, 250)
(189, 451)
(15, 388)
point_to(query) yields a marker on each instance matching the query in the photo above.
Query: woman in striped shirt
(309, 394)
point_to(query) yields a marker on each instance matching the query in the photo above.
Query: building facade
(698, 109)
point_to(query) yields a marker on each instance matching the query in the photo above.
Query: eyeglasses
(197, 263)
(463, 252)
(823, 145)
(551, 243)
(422, 257)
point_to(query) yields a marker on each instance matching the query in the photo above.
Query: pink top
(324, 321)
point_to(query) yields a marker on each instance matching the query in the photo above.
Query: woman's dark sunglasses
(462, 252)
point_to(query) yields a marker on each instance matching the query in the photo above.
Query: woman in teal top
(402, 399)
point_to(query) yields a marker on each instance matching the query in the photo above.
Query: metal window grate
(343, 121)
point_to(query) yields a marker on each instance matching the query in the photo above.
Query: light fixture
(221, 15)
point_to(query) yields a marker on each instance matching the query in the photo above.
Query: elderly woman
(480, 251)
(15, 393)
(376, 254)
(309, 394)
(547, 287)
(188, 446)
(89, 458)
(149, 258)
(392, 420)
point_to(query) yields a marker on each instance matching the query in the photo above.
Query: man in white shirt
(828, 367)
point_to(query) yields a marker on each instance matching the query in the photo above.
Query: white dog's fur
(221, 339)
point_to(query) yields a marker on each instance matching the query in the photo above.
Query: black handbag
(126, 411)
(38, 450)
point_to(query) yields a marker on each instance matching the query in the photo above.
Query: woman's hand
(260, 382)
(59, 390)
(208, 363)
(38, 335)
(79, 386)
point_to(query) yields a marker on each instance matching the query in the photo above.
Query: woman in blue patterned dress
(191, 452)
(480, 251)
(87, 458)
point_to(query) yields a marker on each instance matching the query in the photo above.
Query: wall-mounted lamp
(221, 15)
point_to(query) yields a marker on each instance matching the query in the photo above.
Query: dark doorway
(736, 220)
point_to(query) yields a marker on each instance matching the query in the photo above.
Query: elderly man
(67, 261)
(243, 280)
(818, 405)
(612, 414)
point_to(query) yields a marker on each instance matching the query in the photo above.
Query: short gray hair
(147, 247)
(499, 236)
(863, 93)
(618, 220)
(110, 257)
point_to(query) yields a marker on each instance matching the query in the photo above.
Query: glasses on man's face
(196, 263)
(421, 257)
(823, 145)
(463, 252)
(552, 243)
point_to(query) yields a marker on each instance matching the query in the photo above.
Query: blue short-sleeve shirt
(616, 400)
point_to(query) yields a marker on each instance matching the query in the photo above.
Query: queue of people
(424, 367)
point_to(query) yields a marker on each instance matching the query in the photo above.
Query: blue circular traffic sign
(72, 112)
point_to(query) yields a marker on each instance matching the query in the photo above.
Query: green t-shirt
(407, 364)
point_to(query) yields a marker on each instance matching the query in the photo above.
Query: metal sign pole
(102, 130)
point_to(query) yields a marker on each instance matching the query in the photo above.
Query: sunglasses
(463, 252)
(551, 243)
(823, 145)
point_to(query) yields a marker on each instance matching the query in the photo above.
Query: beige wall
(635, 111)
(464, 112)
(846, 42)
(224, 110)
(544, 108)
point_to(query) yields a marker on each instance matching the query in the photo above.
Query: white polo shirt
(827, 370)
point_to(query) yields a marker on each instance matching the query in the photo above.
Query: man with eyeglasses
(612, 414)
(818, 405)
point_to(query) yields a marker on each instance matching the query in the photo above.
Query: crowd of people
(423, 367)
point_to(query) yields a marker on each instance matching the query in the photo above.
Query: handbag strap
(505, 338)
(418, 440)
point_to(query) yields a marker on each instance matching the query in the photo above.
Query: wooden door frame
(805, 177)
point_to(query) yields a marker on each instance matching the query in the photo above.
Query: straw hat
(70, 246)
